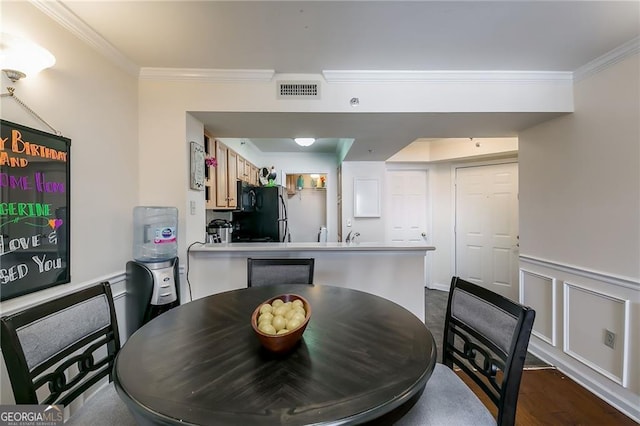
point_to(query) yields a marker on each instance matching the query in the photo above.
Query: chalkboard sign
(34, 210)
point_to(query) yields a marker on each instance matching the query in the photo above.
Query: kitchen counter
(394, 271)
(285, 247)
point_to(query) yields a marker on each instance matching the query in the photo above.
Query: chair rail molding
(605, 277)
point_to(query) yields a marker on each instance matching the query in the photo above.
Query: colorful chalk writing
(34, 210)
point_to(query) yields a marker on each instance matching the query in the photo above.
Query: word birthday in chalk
(17, 145)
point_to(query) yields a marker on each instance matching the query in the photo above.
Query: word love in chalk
(24, 243)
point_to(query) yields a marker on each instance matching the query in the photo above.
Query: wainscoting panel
(588, 315)
(586, 302)
(539, 292)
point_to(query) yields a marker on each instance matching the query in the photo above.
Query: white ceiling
(312, 36)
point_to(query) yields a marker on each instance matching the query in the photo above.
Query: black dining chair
(60, 349)
(279, 271)
(486, 336)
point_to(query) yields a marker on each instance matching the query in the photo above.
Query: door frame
(413, 167)
(454, 212)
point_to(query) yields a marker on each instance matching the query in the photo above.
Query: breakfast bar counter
(396, 272)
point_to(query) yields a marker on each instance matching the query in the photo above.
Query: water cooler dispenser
(152, 277)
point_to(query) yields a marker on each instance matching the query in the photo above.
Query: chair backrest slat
(279, 271)
(42, 339)
(486, 335)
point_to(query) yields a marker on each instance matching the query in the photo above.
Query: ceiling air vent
(298, 90)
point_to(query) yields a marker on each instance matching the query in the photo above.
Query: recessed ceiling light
(305, 141)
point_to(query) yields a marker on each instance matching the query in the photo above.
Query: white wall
(93, 103)
(164, 101)
(324, 164)
(580, 234)
(456, 148)
(307, 213)
(442, 221)
(371, 229)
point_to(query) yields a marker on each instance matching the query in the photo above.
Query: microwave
(246, 197)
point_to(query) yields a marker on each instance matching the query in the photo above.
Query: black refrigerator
(267, 221)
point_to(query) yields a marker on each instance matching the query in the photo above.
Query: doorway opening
(307, 205)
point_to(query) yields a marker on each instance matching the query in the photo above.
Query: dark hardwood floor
(548, 397)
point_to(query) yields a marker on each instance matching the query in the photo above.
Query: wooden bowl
(280, 343)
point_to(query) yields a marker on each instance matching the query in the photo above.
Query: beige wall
(93, 103)
(580, 234)
(579, 178)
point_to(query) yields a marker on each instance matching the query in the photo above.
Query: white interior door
(486, 227)
(409, 213)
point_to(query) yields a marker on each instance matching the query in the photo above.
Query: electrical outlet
(609, 338)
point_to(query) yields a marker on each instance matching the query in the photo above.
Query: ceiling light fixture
(305, 141)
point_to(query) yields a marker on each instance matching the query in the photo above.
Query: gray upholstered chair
(58, 350)
(486, 336)
(279, 271)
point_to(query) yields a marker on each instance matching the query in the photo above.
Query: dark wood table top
(360, 357)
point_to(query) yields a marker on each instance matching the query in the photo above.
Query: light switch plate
(192, 207)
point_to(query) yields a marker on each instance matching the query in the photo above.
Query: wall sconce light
(305, 141)
(20, 57)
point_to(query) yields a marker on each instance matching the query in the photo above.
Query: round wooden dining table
(362, 359)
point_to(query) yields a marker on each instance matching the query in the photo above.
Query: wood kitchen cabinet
(240, 163)
(253, 180)
(220, 185)
(245, 171)
(230, 178)
(225, 177)
(209, 173)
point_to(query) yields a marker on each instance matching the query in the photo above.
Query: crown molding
(62, 15)
(353, 76)
(608, 59)
(206, 75)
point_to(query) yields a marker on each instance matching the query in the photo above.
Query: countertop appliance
(268, 221)
(246, 196)
(219, 231)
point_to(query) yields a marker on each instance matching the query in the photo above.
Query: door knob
(424, 234)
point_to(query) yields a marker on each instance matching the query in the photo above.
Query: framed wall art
(197, 166)
(34, 210)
